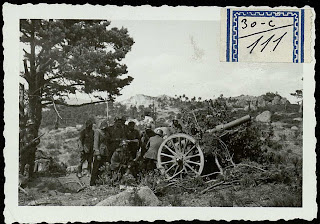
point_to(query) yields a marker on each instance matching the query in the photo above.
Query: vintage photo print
(144, 113)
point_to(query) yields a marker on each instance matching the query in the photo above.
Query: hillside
(165, 107)
(146, 101)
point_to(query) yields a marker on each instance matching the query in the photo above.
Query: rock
(284, 101)
(261, 102)
(148, 197)
(70, 129)
(297, 119)
(276, 100)
(42, 165)
(78, 126)
(121, 199)
(72, 169)
(145, 194)
(277, 124)
(294, 128)
(264, 117)
(290, 134)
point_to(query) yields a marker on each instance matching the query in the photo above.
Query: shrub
(175, 200)
(286, 200)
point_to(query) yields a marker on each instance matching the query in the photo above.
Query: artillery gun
(180, 154)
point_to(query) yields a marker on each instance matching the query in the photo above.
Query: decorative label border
(234, 29)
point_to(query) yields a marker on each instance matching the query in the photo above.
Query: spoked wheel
(180, 156)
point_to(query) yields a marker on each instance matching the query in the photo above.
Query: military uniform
(152, 153)
(144, 140)
(86, 148)
(101, 153)
(115, 135)
(120, 163)
(133, 147)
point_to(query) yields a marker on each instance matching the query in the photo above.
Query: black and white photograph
(143, 112)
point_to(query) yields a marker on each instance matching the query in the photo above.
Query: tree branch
(26, 70)
(55, 108)
(24, 33)
(73, 105)
(27, 53)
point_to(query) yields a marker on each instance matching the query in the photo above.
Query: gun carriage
(181, 155)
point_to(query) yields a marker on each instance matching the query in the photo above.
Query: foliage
(63, 57)
(75, 55)
(269, 96)
(245, 143)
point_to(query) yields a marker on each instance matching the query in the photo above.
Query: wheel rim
(180, 156)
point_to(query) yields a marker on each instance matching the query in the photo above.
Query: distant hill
(141, 99)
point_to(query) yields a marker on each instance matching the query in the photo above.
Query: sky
(182, 57)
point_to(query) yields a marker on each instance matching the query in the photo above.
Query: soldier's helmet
(89, 122)
(131, 123)
(159, 132)
(123, 143)
(104, 124)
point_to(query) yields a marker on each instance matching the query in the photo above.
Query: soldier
(176, 126)
(153, 148)
(120, 161)
(146, 135)
(100, 148)
(86, 146)
(133, 138)
(116, 135)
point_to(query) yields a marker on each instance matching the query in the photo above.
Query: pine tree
(63, 57)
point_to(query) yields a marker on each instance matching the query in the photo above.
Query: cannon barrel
(231, 124)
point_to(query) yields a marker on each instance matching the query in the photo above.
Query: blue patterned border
(236, 14)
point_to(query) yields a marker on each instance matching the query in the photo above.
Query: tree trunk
(34, 107)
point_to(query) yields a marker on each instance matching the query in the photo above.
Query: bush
(246, 143)
(286, 200)
(175, 200)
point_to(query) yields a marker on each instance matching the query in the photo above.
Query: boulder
(284, 101)
(78, 126)
(264, 117)
(148, 197)
(125, 198)
(297, 119)
(294, 128)
(121, 199)
(261, 102)
(276, 100)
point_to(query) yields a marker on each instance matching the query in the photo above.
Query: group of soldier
(121, 146)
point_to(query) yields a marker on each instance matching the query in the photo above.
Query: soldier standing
(116, 135)
(86, 146)
(133, 137)
(100, 148)
(153, 146)
(146, 135)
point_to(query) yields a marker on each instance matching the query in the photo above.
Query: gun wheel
(179, 156)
